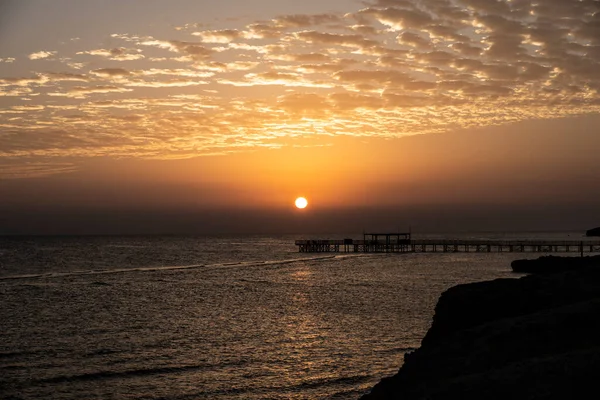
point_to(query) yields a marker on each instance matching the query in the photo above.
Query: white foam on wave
(54, 275)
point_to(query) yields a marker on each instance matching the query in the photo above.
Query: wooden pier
(403, 243)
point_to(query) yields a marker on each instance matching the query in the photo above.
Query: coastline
(532, 337)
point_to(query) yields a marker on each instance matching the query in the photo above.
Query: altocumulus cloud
(426, 66)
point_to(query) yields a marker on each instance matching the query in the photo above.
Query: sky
(197, 116)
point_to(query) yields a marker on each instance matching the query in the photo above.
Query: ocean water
(168, 317)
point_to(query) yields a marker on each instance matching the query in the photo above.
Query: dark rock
(537, 337)
(593, 232)
(550, 264)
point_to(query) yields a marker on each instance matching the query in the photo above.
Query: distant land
(593, 232)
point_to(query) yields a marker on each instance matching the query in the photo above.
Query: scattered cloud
(192, 50)
(306, 20)
(32, 169)
(335, 39)
(85, 91)
(220, 36)
(110, 72)
(116, 54)
(41, 55)
(39, 79)
(391, 68)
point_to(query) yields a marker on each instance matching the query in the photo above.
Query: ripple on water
(185, 321)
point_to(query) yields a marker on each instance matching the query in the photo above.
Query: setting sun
(301, 202)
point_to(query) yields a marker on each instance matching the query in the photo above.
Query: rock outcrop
(593, 232)
(552, 264)
(537, 337)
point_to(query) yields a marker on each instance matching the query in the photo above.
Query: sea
(224, 317)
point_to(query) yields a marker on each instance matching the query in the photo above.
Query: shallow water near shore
(167, 317)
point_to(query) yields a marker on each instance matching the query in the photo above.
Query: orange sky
(421, 111)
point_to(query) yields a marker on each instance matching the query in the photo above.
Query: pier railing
(447, 245)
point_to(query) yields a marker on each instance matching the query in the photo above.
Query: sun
(301, 202)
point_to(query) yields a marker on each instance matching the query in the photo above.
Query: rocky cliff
(537, 337)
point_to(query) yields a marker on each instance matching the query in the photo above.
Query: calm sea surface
(215, 317)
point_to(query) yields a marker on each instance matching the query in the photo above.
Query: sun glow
(301, 202)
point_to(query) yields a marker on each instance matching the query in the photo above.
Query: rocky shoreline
(536, 337)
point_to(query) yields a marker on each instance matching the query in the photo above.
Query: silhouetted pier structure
(403, 243)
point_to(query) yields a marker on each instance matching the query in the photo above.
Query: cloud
(15, 92)
(219, 36)
(116, 54)
(403, 100)
(392, 68)
(39, 79)
(305, 20)
(65, 76)
(34, 169)
(191, 73)
(111, 72)
(263, 31)
(414, 39)
(28, 108)
(399, 18)
(365, 30)
(441, 32)
(466, 49)
(377, 77)
(275, 78)
(226, 67)
(488, 7)
(41, 55)
(308, 57)
(324, 68)
(335, 39)
(350, 101)
(167, 83)
(193, 50)
(84, 91)
(304, 103)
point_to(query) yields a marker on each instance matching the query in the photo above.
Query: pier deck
(392, 243)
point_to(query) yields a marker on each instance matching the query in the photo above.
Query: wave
(55, 275)
(125, 246)
(15, 354)
(263, 391)
(101, 352)
(140, 372)
(351, 393)
(396, 350)
(100, 375)
(343, 380)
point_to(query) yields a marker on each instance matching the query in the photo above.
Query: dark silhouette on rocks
(550, 264)
(537, 337)
(593, 232)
